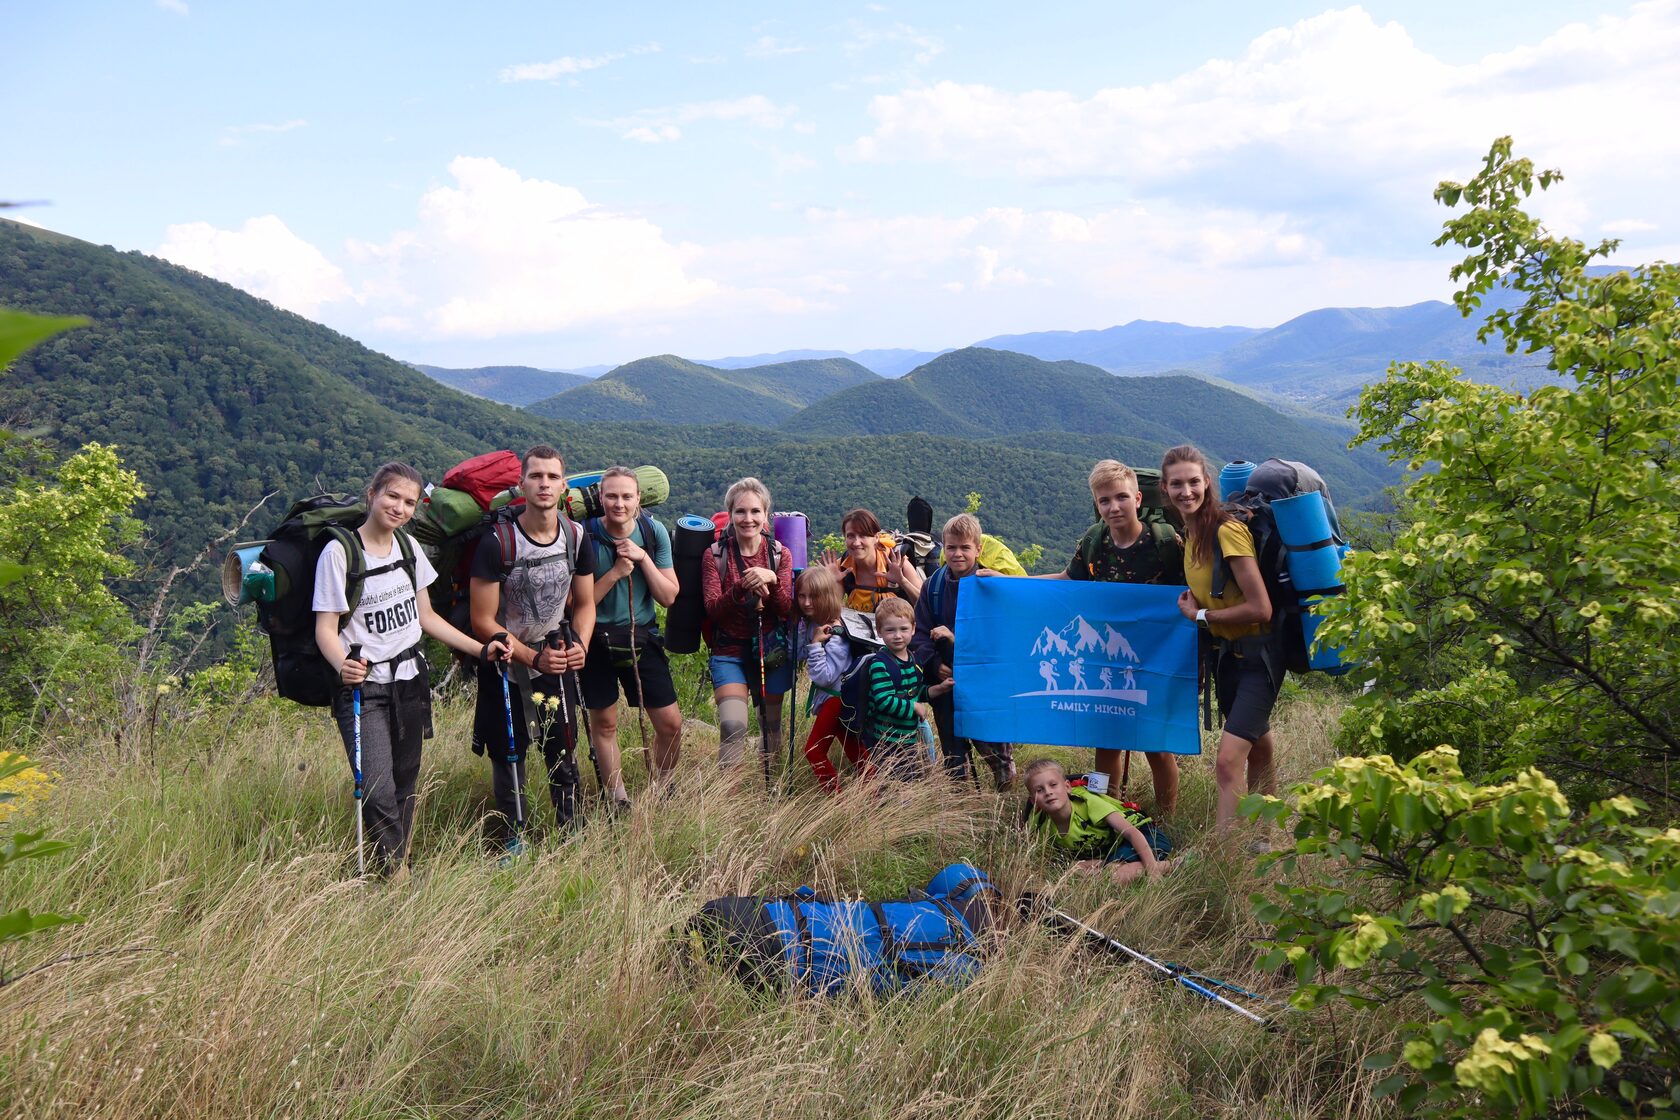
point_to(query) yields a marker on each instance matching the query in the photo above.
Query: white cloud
(924, 46)
(652, 126)
(499, 254)
(648, 134)
(264, 258)
(768, 46)
(1334, 99)
(1628, 225)
(179, 7)
(234, 134)
(568, 65)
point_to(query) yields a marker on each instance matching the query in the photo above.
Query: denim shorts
(744, 670)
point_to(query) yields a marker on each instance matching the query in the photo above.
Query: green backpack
(1156, 522)
(300, 672)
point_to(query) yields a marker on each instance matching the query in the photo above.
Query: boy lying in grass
(1097, 831)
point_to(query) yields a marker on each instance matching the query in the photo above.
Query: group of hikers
(563, 618)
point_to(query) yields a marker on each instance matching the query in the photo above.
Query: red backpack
(485, 476)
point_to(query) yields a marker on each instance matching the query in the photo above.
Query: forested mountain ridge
(515, 385)
(673, 390)
(1141, 346)
(216, 398)
(985, 394)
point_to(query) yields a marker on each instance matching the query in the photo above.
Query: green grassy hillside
(672, 390)
(231, 966)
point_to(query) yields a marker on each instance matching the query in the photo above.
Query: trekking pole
(569, 682)
(356, 762)
(636, 675)
(513, 744)
(1067, 923)
(556, 639)
(763, 696)
(793, 698)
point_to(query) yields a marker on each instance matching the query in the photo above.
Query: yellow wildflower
(26, 786)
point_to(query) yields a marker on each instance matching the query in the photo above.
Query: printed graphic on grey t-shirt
(538, 586)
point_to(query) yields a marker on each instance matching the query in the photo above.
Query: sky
(564, 184)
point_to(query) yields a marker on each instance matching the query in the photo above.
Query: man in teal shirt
(633, 573)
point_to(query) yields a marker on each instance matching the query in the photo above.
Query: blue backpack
(812, 944)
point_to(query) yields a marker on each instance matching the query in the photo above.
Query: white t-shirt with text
(387, 620)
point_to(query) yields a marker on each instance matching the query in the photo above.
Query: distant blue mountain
(1141, 346)
(1316, 357)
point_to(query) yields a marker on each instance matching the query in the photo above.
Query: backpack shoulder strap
(1168, 546)
(573, 535)
(1090, 543)
(409, 563)
(506, 544)
(935, 588)
(1221, 568)
(355, 568)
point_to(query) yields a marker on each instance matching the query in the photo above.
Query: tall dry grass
(255, 977)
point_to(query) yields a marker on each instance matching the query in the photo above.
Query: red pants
(825, 728)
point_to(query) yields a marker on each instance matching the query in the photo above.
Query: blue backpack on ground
(815, 945)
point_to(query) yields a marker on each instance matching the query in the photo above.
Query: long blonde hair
(819, 583)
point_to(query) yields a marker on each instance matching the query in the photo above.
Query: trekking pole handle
(556, 639)
(355, 653)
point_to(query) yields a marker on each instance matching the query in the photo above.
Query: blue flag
(1076, 664)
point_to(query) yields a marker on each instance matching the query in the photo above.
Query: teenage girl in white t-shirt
(387, 624)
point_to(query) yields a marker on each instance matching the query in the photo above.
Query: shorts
(1244, 685)
(744, 670)
(602, 676)
(1159, 844)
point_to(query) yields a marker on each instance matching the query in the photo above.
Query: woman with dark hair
(1246, 666)
(385, 629)
(872, 567)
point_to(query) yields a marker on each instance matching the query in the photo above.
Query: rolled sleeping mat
(1233, 477)
(1314, 560)
(1325, 659)
(245, 578)
(688, 549)
(793, 530)
(583, 491)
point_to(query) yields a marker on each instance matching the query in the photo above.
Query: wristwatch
(1202, 618)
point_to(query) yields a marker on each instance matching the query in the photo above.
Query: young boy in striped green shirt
(892, 696)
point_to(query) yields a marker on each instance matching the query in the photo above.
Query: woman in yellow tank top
(1246, 669)
(872, 568)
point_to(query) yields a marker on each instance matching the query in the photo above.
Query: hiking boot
(512, 848)
(621, 807)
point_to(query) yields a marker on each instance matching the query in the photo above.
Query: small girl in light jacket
(827, 654)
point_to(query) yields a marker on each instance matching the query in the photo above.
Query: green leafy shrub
(1543, 944)
(1542, 527)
